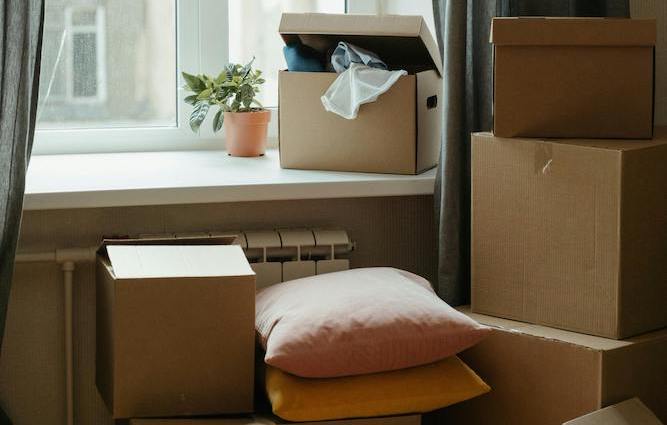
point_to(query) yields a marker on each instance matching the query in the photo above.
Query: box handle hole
(431, 102)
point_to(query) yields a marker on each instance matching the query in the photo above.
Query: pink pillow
(359, 321)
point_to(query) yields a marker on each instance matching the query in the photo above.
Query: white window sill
(161, 178)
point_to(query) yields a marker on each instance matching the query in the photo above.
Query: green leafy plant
(233, 90)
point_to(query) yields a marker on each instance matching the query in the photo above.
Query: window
(251, 18)
(77, 65)
(98, 66)
(110, 78)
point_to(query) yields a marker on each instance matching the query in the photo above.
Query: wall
(412, 7)
(389, 231)
(656, 9)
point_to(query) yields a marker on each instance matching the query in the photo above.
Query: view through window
(253, 31)
(108, 63)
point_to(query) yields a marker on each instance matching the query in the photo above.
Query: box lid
(400, 41)
(628, 412)
(167, 258)
(540, 31)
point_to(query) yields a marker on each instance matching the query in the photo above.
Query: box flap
(166, 261)
(586, 341)
(540, 31)
(629, 412)
(400, 41)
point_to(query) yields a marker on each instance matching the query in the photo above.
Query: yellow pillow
(414, 390)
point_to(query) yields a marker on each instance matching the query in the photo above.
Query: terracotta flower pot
(245, 132)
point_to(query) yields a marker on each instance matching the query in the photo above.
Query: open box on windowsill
(399, 133)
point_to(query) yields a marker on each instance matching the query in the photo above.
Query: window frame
(198, 24)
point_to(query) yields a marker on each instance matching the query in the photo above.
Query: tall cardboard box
(175, 328)
(571, 233)
(573, 77)
(546, 376)
(398, 133)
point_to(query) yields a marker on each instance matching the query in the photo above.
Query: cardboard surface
(175, 332)
(265, 420)
(573, 77)
(545, 376)
(399, 133)
(571, 233)
(629, 412)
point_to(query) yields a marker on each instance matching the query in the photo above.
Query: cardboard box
(399, 133)
(628, 412)
(264, 420)
(175, 327)
(573, 77)
(571, 233)
(547, 376)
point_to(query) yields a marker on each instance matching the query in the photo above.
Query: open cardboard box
(175, 327)
(399, 133)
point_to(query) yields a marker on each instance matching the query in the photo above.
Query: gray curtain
(462, 28)
(20, 40)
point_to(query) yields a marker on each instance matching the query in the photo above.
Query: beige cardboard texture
(628, 412)
(398, 133)
(547, 376)
(175, 329)
(571, 233)
(560, 77)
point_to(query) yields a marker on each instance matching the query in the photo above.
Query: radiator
(286, 254)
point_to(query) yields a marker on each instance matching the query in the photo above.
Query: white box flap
(164, 261)
(628, 412)
(589, 341)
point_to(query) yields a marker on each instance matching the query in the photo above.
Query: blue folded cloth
(302, 58)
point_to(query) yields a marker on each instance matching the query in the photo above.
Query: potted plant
(233, 91)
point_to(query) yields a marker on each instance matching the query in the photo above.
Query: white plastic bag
(357, 85)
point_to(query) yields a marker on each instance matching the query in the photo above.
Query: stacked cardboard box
(569, 236)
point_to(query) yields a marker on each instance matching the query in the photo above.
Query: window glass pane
(84, 65)
(108, 63)
(253, 31)
(83, 16)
